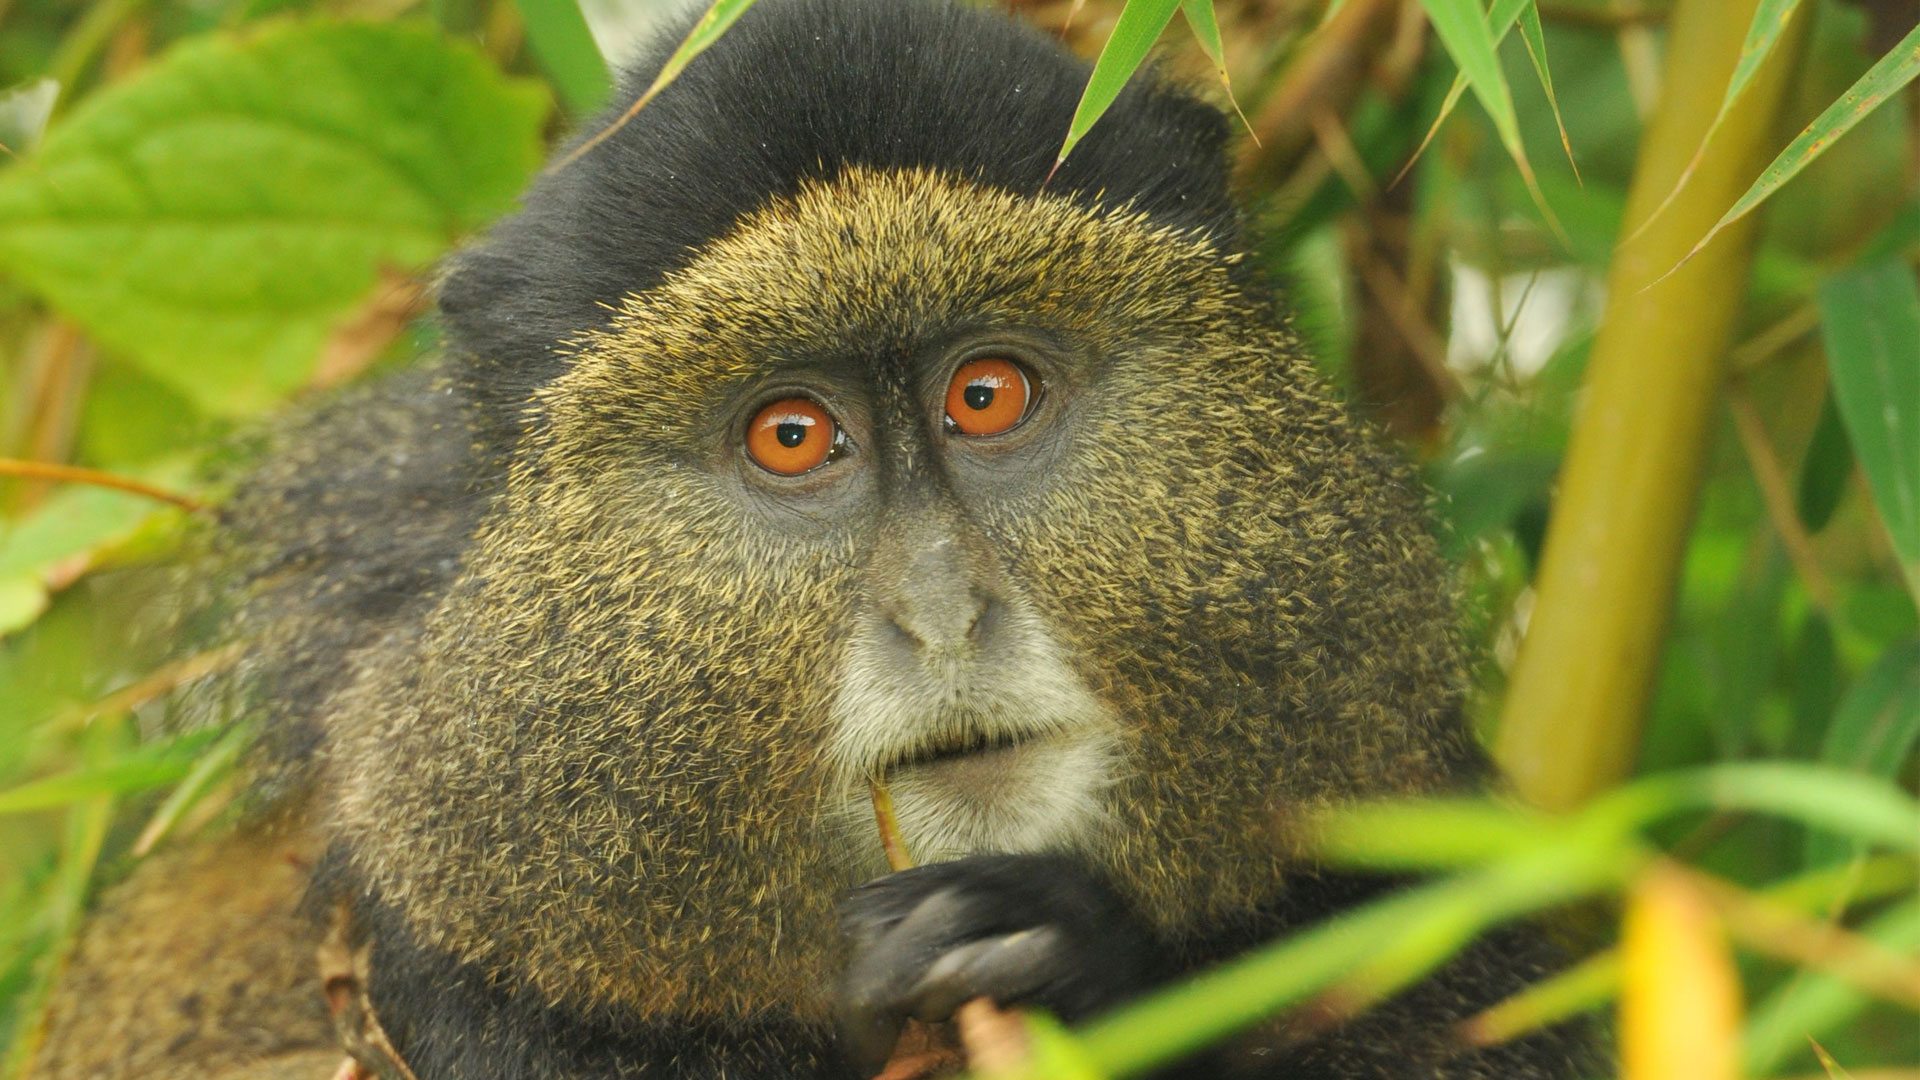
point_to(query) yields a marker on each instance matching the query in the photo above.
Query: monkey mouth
(968, 745)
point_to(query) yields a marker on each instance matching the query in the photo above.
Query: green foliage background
(218, 209)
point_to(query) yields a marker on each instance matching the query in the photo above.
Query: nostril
(986, 611)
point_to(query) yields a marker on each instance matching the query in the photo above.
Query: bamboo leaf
(1888, 75)
(718, 19)
(1873, 731)
(215, 763)
(1824, 473)
(1430, 834)
(1814, 1003)
(1205, 24)
(1832, 1067)
(1535, 38)
(146, 767)
(564, 45)
(1502, 18)
(1419, 926)
(1471, 40)
(1770, 20)
(1870, 321)
(1139, 26)
(1820, 796)
(1594, 981)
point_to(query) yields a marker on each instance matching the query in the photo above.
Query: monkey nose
(939, 625)
(937, 604)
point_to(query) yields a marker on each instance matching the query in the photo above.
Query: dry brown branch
(74, 474)
(1781, 932)
(1424, 341)
(156, 684)
(1327, 77)
(1774, 492)
(356, 343)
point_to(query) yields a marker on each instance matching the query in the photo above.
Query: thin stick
(73, 474)
(1772, 481)
(890, 838)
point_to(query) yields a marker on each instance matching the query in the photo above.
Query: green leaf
(72, 523)
(1054, 1053)
(1770, 20)
(1535, 38)
(1430, 834)
(564, 45)
(1206, 30)
(1471, 38)
(1361, 953)
(1882, 80)
(146, 767)
(1813, 1003)
(1500, 21)
(1870, 321)
(1138, 27)
(1822, 797)
(717, 20)
(216, 215)
(1873, 731)
(1824, 472)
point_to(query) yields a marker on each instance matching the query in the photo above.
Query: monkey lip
(973, 745)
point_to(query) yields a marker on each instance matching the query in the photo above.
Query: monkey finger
(873, 993)
(870, 910)
(868, 1034)
(1003, 969)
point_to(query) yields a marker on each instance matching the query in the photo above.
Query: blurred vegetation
(217, 208)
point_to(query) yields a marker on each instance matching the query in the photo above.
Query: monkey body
(579, 689)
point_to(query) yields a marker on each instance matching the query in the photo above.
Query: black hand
(1041, 930)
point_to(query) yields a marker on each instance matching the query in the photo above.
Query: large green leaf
(214, 217)
(74, 522)
(1870, 321)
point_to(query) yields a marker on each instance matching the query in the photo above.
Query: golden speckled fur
(199, 967)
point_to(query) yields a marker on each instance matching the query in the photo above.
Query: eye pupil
(791, 435)
(978, 397)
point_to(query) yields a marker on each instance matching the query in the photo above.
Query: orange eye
(988, 396)
(792, 436)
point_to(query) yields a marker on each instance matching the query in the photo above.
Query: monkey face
(912, 384)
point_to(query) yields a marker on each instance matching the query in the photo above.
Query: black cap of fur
(795, 91)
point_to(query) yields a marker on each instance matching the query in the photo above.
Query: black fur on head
(799, 90)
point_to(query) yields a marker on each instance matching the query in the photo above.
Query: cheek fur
(629, 715)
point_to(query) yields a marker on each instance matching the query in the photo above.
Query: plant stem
(1627, 491)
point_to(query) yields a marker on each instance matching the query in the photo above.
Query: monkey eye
(988, 396)
(792, 436)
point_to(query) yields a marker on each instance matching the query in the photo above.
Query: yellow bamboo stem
(1627, 491)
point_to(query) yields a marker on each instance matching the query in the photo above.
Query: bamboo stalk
(1627, 492)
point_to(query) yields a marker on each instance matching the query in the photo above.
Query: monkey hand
(1041, 930)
